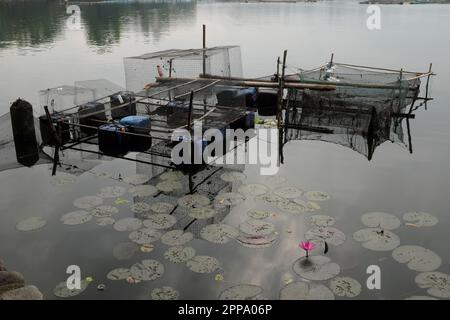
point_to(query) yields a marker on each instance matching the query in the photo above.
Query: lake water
(38, 51)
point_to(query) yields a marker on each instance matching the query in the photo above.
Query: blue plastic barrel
(140, 125)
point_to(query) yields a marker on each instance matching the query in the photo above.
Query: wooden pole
(428, 81)
(189, 120)
(400, 89)
(280, 109)
(204, 49)
(170, 68)
(57, 140)
(278, 68)
(331, 60)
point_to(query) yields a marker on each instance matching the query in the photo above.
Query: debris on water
(345, 287)
(420, 219)
(219, 277)
(202, 213)
(171, 175)
(62, 291)
(331, 235)
(231, 176)
(313, 205)
(203, 264)
(118, 274)
(89, 279)
(306, 291)
(176, 237)
(101, 287)
(257, 241)
(136, 179)
(145, 235)
(191, 201)
(418, 258)
(437, 283)
(120, 201)
(380, 220)
(316, 268)
(76, 217)
(257, 227)
(169, 186)
(31, 223)
(218, 233)
(63, 179)
(376, 239)
(140, 207)
(253, 189)
(162, 207)
(143, 191)
(127, 224)
(160, 221)
(317, 196)
(288, 192)
(178, 254)
(228, 199)
(147, 270)
(165, 293)
(147, 247)
(125, 250)
(287, 278)
(321, 220)
(88, 202)
(259, 214)
(104, 211)
(105, 221)
(132, 280)
(241, 292)
(112, 192)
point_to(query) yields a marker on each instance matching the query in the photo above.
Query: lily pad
(345, 287)
(257, 227)
(229, 199)
(105, 221)
(420, 298)
(140, 207)
(136, 179)
(104, 211)
(292, 207)
(257, 241)
(322, 220)
(169, 185)
(125, 250)
(160, 221)
(273, 199)
(219, 233)
(275, 180)
(420, 219)
(253, 189)
(316, 268)
(62, 180)
(176, 237)
(145, 235)
(418, 258)
(288, 192)
(305, 205)
(331, 235)
(231, 176)
(377, 239)
(127, 224)
(62, 291)
(147, 270)
(259, 214)
(179, 254)
(165, 293)
(317, 195)
(171, 175)
(193, 201)
(76, 217)
(112, 192)
(203, 264)
(31, 223)
(162, 207)
(142, 191)
(103, 174)
(241, 292)
(438, 283)
(119, 274)
(306, 291)
(380, 220)
(87, 202)
(202, 213)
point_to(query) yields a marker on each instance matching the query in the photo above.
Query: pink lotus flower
(307, 246)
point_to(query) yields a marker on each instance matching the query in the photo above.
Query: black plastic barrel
(267, 103)
(22, 121)
(62, 127)
(95, 120)
(112, 139)
(140, 125)
(119, 99)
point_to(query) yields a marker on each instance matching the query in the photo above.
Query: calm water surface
(37, 51)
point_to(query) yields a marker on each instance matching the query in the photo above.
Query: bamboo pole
(204, 49)
(428, 81)
(189, 118)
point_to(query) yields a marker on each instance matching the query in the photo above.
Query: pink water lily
(307, 246)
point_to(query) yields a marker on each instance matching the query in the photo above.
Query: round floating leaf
(313, 205)
(112, 192)
(292, 207)
(305, 205)
(317, 195)
(103, 174)
(438, 283)
(229, 199)
(203, 264)
(169, 185)
(322, 220)
(253, 189)
(273, 199)
(380, 220)
(165, 293)
(87, 202)
(125, 250)
(145, 235)
(257, 227)
(418, 258)
(331, 235)
(171, 175)
(193, 201)
(345, 287)
(143, 191)
(147, 270)
(259, 214)
(104, 211)
(179, 254)
(162, 207)
(232, 176)
(140, 207)
(136, 179)
(160, 221)
(62, 291)
(202, 213)
(127, 224)
(76, 217)
(420, 219)
(257, 241)
(106, 221)
(176, 237)
(316, 268)
(306, 291)
(377, 239)
(218, 233)
(62, 180)
(119, 274)
(288, 192)
(420, 298)
(30, 224)
(241, 292)
(275, 180)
